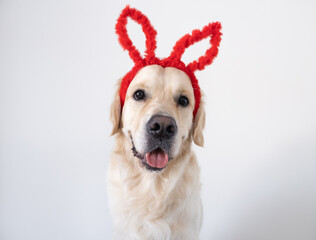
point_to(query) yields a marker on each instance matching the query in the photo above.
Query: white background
(59, 62)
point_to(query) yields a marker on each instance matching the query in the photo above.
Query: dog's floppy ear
(198, 126)
(115, 114)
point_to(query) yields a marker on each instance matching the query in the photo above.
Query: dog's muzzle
(159, 140)
(160, 132)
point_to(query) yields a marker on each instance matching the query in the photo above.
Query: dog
(157, 113)
(153, 174)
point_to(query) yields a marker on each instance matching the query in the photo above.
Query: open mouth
(155, 160)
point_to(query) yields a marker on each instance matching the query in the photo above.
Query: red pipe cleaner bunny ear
(212, 30)
(126, 42)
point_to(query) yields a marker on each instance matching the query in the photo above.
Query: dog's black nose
(160, 126)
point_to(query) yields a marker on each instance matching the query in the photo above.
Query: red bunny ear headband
(174, 60)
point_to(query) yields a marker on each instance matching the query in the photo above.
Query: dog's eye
(183, 101)
(139, 95)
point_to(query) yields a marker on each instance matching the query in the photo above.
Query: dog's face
(157, 115)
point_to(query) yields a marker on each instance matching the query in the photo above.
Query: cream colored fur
(156, 205)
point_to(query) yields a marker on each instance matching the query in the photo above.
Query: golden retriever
(158, 111)
(153, 176)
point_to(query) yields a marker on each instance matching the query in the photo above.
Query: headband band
(211, 30)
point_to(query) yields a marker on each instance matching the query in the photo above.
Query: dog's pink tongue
(157, 159)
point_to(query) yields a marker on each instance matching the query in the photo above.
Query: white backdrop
(59, 61)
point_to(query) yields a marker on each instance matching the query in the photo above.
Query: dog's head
(158, 103)
(158, 115)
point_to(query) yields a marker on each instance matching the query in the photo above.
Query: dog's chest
(146, 206)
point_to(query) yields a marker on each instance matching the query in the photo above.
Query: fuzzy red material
(211, 30)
